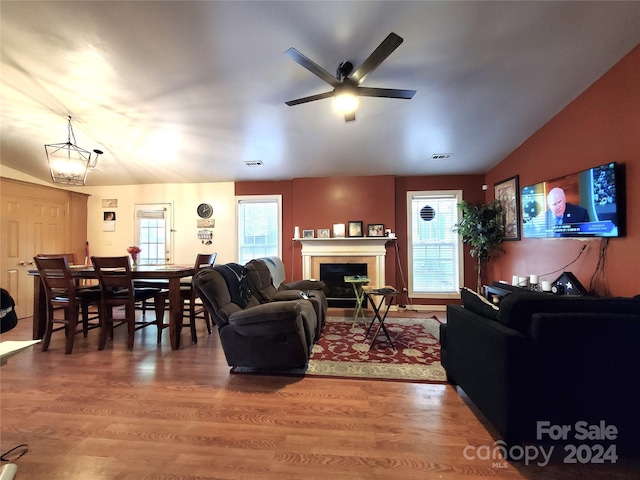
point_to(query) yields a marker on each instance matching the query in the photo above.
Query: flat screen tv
(584, 204)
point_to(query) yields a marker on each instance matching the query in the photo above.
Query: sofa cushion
(260, 276)
(478, 304)
(517, 309)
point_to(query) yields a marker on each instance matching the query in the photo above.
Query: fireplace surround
(370, 251)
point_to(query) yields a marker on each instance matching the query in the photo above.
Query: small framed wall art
(355, 228)
(507, 193)
(338, 230)
(324, 233)
(307, 233)
(375, 230)
(109, 221)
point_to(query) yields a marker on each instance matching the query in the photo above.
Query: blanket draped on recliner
(237, 281)
(276, 267)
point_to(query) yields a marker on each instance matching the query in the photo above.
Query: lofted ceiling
(182, 91)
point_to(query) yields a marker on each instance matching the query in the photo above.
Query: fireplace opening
(339, 293)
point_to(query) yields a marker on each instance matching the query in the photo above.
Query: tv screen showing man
(560, 212)
(583, 204)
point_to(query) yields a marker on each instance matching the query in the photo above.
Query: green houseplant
(482, 228)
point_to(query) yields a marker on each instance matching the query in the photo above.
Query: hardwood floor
(154, 414)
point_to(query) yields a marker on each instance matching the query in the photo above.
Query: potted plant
(482, 228)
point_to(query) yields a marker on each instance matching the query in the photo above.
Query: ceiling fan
(346, 82)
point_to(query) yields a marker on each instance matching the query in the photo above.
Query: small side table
(385, 293)
(358, 281)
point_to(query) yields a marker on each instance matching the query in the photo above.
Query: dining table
(170, 273)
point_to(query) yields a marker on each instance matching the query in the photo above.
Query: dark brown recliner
(268, 336)
(267, 276)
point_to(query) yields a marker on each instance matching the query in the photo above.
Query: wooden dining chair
(192, 309)
(62, 292)
(116, 284)
(81, 282)
(71, 257)
(190, 305)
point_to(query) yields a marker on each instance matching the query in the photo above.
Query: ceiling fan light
(345, 103)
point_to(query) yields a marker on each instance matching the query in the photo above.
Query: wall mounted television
(585, 204)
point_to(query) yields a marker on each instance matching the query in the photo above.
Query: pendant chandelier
(68, 162)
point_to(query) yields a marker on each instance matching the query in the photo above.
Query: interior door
(13, 271)
(28, 227)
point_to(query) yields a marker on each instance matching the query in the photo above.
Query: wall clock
(205, 210)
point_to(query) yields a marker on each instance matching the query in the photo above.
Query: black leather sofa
(546, 358)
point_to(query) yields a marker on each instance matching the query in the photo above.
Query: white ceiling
(187, 91)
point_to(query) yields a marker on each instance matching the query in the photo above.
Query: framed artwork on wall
(338, 230)
(355, 228)
(507, 192)
(109, 221)
(324, 233)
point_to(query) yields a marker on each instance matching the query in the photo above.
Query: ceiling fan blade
(350, 117)
(378, 56)
(385, 92)
(313, 67)
(320, 96)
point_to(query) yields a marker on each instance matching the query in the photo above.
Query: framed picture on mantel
(375, 230)
(355, 229)
(338, 230)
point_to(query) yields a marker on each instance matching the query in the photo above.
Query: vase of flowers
(134, 251)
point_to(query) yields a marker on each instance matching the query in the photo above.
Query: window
(153, 233)
(259, 227)
(435, 251)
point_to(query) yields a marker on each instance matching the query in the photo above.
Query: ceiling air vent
(254, 163)
(441, 156)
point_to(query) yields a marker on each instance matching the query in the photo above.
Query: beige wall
(184, 199)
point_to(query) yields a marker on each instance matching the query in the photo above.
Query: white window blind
(434, 249)
(259, 227)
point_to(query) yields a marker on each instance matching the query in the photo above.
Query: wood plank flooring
(156, 414)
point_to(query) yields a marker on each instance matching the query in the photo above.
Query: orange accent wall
(321, 202)
(601, 125)
(313, 203)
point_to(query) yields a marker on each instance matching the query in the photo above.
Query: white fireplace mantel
(373, 248)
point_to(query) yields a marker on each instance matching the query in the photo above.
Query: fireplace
(340, 293)
(366, 252)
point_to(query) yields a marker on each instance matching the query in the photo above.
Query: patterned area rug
(343, 351)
